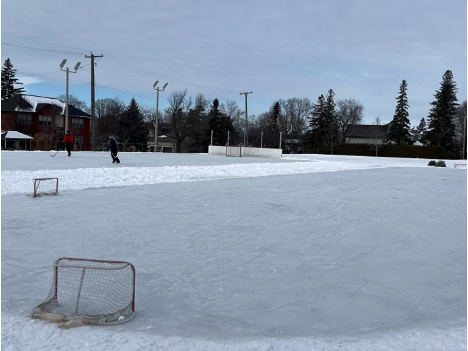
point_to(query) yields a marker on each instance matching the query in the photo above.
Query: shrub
(441, 163)
(432, 163)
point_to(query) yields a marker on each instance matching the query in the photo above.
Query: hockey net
(45, 186)
(86, 291)
(234, 151)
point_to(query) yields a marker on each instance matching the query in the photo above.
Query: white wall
(247, 151)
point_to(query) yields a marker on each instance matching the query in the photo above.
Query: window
(77, 122)
(45, 120)
(59, 121)
(79, 140)
(24, 119)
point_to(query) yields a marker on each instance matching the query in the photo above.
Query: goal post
(49, 186)
(87, 291)
(234, 151)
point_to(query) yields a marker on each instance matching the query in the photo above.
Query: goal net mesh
(233, 151)
(101, 291)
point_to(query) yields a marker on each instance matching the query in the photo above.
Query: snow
(35, 100)
(11, 134)
(307, 252)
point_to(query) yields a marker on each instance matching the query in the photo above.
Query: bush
(432, 163)
(441, 164)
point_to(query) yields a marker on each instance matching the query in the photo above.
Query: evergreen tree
(399, 130)
(9, 81)
(273, 118)
(422, 125)
(331, 125)
(132, 127)
(444, 109)
(317, 124)
(219, 123)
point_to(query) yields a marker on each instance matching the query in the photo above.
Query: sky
(362, 49)
(306, 252)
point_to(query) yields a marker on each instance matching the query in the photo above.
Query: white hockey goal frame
(234, 151)
(37, 183)
(88, 291)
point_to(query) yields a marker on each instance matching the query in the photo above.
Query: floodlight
(77, 66)
(63, 63)
(155, 83)
(164, 87)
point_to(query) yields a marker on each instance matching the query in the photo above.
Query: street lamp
(66, 102)
(156, 119)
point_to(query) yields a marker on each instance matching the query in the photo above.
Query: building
(43, 119)
(366, 134)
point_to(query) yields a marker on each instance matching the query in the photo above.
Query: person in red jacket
(68, 141)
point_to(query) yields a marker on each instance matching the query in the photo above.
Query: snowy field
(308, 252)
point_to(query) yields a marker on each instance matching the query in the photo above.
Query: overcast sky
(361, 49)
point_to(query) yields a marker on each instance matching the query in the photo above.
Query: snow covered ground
(309, 252)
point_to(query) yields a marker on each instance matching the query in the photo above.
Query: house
(366, 134)
(13, 140)
(416, 136)
(43, 119)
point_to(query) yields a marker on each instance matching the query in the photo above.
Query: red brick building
(43, 119)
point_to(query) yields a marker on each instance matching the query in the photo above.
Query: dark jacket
(113, 146)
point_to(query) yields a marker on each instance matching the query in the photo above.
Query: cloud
(29, 80)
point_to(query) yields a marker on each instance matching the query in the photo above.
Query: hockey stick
(56, 152)
(115, 158)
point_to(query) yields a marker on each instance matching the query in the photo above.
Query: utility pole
(464, 135)
(93, 117)
(246, 137)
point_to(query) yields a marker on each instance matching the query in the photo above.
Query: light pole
(246, 136)
(66, 102)
(156, 119)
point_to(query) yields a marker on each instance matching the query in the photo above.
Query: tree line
(320, 125)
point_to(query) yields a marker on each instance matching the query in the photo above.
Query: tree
(9, 81)
(399, 130)
(273, 117)
(422, 126)
(317, 124)
(349, 111)
(331, 125)
(444, 109)
(132, 127)
(460, 129)
(376, 141)
(197, 123)
(176, 114)
(293, 119)
(108, 116)
(74, 101)
(219, 123)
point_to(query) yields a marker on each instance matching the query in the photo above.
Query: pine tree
(9, 81)
(331, 125)
(399, 131)
(317, 124)
(422, 125)
(444, 109)
(132, 127)
(219, 123)
(273, 117)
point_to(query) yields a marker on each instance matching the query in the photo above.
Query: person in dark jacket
(68, 141)
(113, 150)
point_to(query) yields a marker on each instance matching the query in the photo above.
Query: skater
(68, 141)
(113, 150)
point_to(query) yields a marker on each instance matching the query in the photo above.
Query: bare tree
(108, 113)
(349, 111)
(376, 142)
(293, 119)
(232, 110)
(73, 100)
(176, 114)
